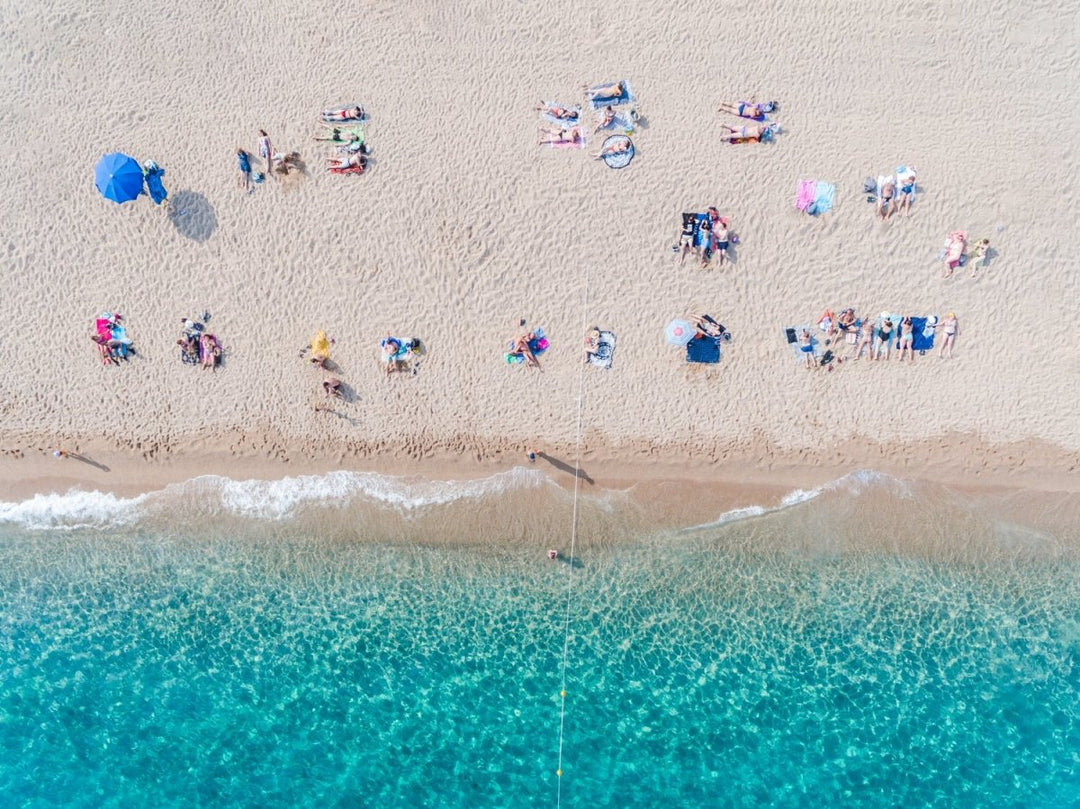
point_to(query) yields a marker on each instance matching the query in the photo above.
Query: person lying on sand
(806, 346)
(339, 135)
(356, 160)
(707, 325)
(210, 350)
(521, 346)
(562, 113)
(884, 206)
(747, 109)
(949, 326)
(907, 339)
(865, 340)
(391, 347)
(616, 90)
(618, 147)
(344, 114)
(592, 342)
(556, 136)
(189, 345)
(907, 194)
(756, 133)
(979, 256)
(686, 236)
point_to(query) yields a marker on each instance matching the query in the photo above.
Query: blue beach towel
(703, 349)
(824, 196)
(626, 98)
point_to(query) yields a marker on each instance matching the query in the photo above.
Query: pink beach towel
(804, 197)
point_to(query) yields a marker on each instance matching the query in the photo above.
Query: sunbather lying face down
(605, 90)
(747, 109)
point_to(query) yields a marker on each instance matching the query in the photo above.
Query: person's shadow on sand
(562, 466)
(193, 215)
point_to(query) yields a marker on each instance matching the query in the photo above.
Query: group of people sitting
(955, 254)
(197, 345)
(343, 128)
(110, 336)
(761, 131)
(705, 234)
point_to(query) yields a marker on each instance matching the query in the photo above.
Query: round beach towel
(620, 160)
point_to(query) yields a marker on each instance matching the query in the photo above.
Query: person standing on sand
(949, 327)
(266, 151)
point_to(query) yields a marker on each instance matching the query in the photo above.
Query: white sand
(464, 225)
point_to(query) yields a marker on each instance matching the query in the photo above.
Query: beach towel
(620, 160)
(538, 345)
(562, 123)
(571, 144)
(702, 235)
(824, 195)
(357, 170)
(152, 174)
(791, 337)
(613, 101)
(605, 350)
(905, 175)
(924, 330)
(804, 194)
(704, 349)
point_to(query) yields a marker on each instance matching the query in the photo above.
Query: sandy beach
(463, 226)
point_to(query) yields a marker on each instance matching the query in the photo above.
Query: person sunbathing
(607, 120)
(338, 134)
(618, 147)
(209, 351)
(342, 114)
(949, 326)
(357, 160)
(521, 346)
(391, 347)
(845, 324)
(106, 353)
(616, 90)
(748, 109)
(189, 348)
(720, 239)
(866, 340)
(708, 326)
(907, 194)
(562, 113)
(980, 256)
(884, 206)
(806, 346)
(558, 136)
(884, 340)
(592, 342)
(758, 133)
(686, 236)
(954, 252)
(907, 339)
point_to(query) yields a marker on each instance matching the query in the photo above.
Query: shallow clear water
(300, 663)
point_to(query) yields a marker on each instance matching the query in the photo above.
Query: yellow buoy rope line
(573, 548)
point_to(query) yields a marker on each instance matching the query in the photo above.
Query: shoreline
(962, 461)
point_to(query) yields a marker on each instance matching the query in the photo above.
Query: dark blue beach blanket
(703, 349)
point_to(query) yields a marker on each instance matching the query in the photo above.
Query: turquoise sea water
(298, 662)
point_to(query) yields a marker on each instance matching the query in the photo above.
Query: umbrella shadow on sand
(193, 215)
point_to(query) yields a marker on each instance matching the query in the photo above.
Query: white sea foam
(75, 509)
(852, 484)
(258, 499)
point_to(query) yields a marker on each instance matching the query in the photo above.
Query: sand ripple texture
(464, 226)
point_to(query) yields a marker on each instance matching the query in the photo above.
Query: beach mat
(622, 159)
(703, 349)
(925, 329)
(614, 101)
(605, 350)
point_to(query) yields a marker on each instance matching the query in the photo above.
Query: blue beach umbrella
(118, 177)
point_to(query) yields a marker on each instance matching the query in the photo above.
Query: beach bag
(869, 186)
